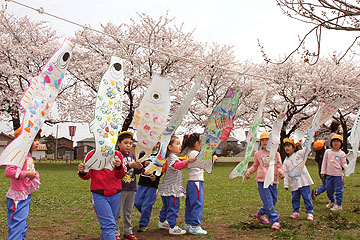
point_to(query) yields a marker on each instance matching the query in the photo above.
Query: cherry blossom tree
(335, 15)
(25, 46)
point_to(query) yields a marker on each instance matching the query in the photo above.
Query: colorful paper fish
(174, 123)
(240, 169)
(353, 139)
(37, 101)
(273, 145)
(151, 115)
(217, 129)
(108, 116)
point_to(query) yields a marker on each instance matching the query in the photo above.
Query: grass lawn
(62, 209)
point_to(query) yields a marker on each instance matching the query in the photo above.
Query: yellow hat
(126, 132)
(292, 141)
(337, 136)
(319, 144)
(265, 135)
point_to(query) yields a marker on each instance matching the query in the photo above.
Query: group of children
(297, 177)
(114, 192)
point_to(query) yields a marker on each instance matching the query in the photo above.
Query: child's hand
(286, 188)
(215, 158)
(146, 163)
(135, 165)
(191, 160)
(247, 174)
(152, 177)
(116, 161)
(30, 174)
(81, 167)
(322, 176)
(281, 175)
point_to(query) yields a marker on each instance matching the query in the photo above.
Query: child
(320, 148)
(19, 194)
(194, 188)
(300, 185)
(125, 143)
(268, 195)
(331, 169)
(172, 188)
(106, 191)
(145, 196)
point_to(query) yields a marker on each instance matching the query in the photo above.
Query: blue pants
(322, 188)
(170, 209)
(305, 192)
(17, 214)
(106, 209)
(335, 184)
(194, 203)
(269, 198)
(145, 198)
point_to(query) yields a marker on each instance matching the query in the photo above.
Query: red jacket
(104, 181)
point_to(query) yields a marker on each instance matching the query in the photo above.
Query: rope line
(41, 10)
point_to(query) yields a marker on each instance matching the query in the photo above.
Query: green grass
(62, 209)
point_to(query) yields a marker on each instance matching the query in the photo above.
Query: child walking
(125, 143)
(320, 148)
(331, 169)
(300, 185)
(172, 188)
(194, 188)
(145, 195)
(19, 195)
(268, 195)
(106, 191)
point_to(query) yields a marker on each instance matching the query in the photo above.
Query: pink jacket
(261, 165)
(333, 162)
(21, 183)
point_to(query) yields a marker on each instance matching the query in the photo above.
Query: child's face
(289, 149)
(336, 144)
(264, 142)
(175, 147)
(35, 145)
(125, 145)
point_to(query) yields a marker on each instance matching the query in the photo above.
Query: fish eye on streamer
(63, 60)
(155, 96)
(115, 70)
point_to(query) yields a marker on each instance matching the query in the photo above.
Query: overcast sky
(233, 22)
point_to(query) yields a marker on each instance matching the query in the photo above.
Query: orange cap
(292, 141)
(319, 144)
(265, 135)
(126, 132)
(337, 136)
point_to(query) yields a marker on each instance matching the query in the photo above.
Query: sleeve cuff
(82, 174)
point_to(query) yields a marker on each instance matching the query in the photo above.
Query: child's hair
(334, 126)
(172, 139)
(189, 141)
(295, 148)
(124, 135)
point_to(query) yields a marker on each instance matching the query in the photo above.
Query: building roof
(6, 135)
(41, 147)
(87, 140)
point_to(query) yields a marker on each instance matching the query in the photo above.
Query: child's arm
(343, 161)
(10, 172)
(286, 176)
(279, 165)
(81, 167)
(179, 165)
(254, 167)
(118, 162)
(324, 164)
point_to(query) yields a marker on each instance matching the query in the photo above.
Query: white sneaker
(330, 205)
(197, 230)
(164, 225)
(336, 208)
(187, 227)
(176, 231)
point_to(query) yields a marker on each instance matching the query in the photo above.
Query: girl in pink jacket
(19, 194)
